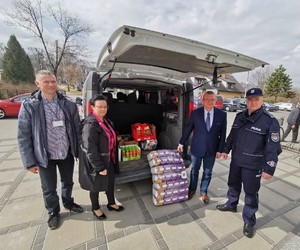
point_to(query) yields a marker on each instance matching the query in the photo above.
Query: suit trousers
(48, 178)
(250, 178)
(294, 132)
(110, 193)
(208, 163)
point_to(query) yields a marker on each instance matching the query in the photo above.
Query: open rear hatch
(141, 53)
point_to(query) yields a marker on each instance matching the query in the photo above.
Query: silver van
(146, 78)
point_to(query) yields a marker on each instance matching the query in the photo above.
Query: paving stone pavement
(185, 225)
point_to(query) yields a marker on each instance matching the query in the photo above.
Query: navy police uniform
(254, 142)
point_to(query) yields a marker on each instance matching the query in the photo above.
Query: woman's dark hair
(97, 98)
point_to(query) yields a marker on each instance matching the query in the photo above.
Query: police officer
(254, 141)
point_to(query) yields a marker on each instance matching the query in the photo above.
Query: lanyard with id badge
(58, 122)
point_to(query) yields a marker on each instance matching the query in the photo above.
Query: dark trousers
(208, 163)
(48, 178)
(110, 193)
(294, 132)
(251, 184)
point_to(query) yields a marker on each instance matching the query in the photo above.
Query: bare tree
(31, 16)
(38, 58)
(259, 76)
(73, 74)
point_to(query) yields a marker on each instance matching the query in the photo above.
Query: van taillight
(89, 108)
(191, 107)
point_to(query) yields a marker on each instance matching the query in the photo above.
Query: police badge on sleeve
(272, 164)
(275, 137)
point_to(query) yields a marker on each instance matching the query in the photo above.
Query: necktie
(208, 121)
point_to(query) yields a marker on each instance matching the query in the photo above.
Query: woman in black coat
(97, 159)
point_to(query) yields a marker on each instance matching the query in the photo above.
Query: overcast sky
(268, 30)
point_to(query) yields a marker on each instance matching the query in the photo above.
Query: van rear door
(153, 51)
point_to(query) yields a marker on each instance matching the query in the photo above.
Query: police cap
(254, 92)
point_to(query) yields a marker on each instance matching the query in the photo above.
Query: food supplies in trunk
(170, 184)
(143, 131)
(149, 144)
(130, 152)
(125, 139)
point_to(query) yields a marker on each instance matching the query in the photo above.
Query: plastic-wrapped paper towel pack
(170, 184)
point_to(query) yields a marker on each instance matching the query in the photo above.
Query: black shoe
(53, 221)
(191, 194)
(225, 208)
(99, 217)
(248, 231)
(73, 207)
(115, 209)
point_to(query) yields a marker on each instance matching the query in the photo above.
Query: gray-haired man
(48, 136)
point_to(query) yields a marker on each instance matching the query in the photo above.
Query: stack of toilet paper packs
(170, 184)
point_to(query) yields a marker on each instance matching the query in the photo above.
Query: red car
(11, 106)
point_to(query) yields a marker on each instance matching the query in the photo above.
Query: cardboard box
(124, 142)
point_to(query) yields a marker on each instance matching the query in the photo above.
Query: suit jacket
(294, 117)
(206, 143)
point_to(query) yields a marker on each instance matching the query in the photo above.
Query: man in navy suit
(208, 125)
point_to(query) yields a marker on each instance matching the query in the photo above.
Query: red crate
(143, 131)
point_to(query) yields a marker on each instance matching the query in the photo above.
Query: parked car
(219, 102)
(11, 106)
(286, 106)
(142, 75)
(230, 105)
(241, 103)
(270, 107)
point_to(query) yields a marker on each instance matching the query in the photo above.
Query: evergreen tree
(279, 84)
(17, 66)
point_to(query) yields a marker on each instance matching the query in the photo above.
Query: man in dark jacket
(293, 122)
(208, 125)
(254, 141)
(48, 136)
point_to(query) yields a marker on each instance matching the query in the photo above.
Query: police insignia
(275, 137)
(272, 164)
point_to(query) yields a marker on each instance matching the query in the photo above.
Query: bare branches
(31, 14)
(260, 76)
(71, 26)
(28, 15)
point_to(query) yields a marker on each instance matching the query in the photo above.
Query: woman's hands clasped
(104, 172)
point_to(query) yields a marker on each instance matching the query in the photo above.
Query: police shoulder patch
(269, 114)
(275, 136)
(272, 164)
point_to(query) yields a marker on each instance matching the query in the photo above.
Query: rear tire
(227, 109)
(2, 114)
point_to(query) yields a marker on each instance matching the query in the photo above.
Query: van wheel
(227, 108)
(285, 109)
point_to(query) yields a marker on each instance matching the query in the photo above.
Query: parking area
(185, 225)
